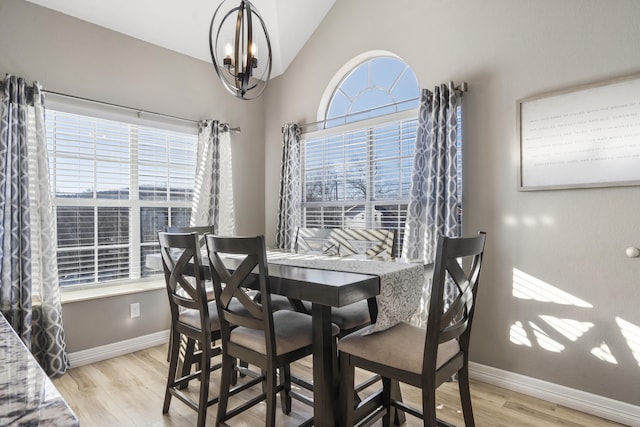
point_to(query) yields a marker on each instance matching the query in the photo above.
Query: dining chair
(192, 316)
(200, 230)
(423, 358)
(269, 339)
(278, 302)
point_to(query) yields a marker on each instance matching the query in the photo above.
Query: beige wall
(573, 240)
(74, 57)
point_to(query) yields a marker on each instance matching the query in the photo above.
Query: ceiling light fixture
(237, 41)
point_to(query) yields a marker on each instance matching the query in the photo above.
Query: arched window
(356, 170)
(376, 87)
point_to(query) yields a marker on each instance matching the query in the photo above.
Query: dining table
(330, 281)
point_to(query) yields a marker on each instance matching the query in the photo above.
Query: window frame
(134, 120)
(369, 200)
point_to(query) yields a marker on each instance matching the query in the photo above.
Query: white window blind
(359, 175)
(115, 185)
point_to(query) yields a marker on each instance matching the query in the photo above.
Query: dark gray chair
(192, 316)
(270, 340)
(423, 358)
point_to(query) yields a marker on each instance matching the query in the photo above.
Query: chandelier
(235, 35)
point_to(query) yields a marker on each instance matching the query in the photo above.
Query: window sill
(85, 293)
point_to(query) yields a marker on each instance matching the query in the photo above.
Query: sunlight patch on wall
(631, 333)
(526, 286)
(511, 220)
(545, 341)
(518, 335)
(529, 221)
(562, 332)
(604, 353)
(547, 220)
(572, 329)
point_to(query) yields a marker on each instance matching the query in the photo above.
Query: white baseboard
(103, 352)
(583, 401)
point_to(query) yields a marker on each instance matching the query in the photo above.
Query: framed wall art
(588, 136)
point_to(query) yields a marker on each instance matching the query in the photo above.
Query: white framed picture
(588, 136)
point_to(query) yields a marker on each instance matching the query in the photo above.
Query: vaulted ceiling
(183, 26)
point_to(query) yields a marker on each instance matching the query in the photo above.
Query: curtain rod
(460, 89)
(138, 110)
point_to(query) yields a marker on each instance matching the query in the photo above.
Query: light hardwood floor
(129, 391)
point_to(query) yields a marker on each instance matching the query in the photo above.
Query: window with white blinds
(115, 185)
(359, 178)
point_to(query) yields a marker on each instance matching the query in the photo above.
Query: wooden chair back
(457, 266)
(180, 257)
(345, 241)
(201, 230)
(310, 239)
(230, 281)
(364, 241)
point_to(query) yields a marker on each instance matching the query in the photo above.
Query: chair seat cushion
(279, 302)
(191, 317)
(350, 316)
(293, 331)
(401, 347)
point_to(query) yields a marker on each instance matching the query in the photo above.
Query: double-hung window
(116, 183)
(356, 172)
(361, 177)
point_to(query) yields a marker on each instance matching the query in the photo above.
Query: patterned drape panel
(433, 205)
(29, 289)
(290, 192)
(213, 191)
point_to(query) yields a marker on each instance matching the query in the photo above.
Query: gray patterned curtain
(433, 209)
(290, 191)
(213, 190)
(29, 289)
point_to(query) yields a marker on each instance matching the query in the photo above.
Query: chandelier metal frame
(237, 66)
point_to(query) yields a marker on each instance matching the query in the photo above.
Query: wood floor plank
(129, 391)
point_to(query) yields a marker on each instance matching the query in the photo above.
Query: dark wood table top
(325, 287)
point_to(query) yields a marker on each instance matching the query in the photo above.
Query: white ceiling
(183, 26)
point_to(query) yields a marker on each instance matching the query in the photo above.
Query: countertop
(27, 395)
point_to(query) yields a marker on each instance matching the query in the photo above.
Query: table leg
(325, 388)
(397, 416)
